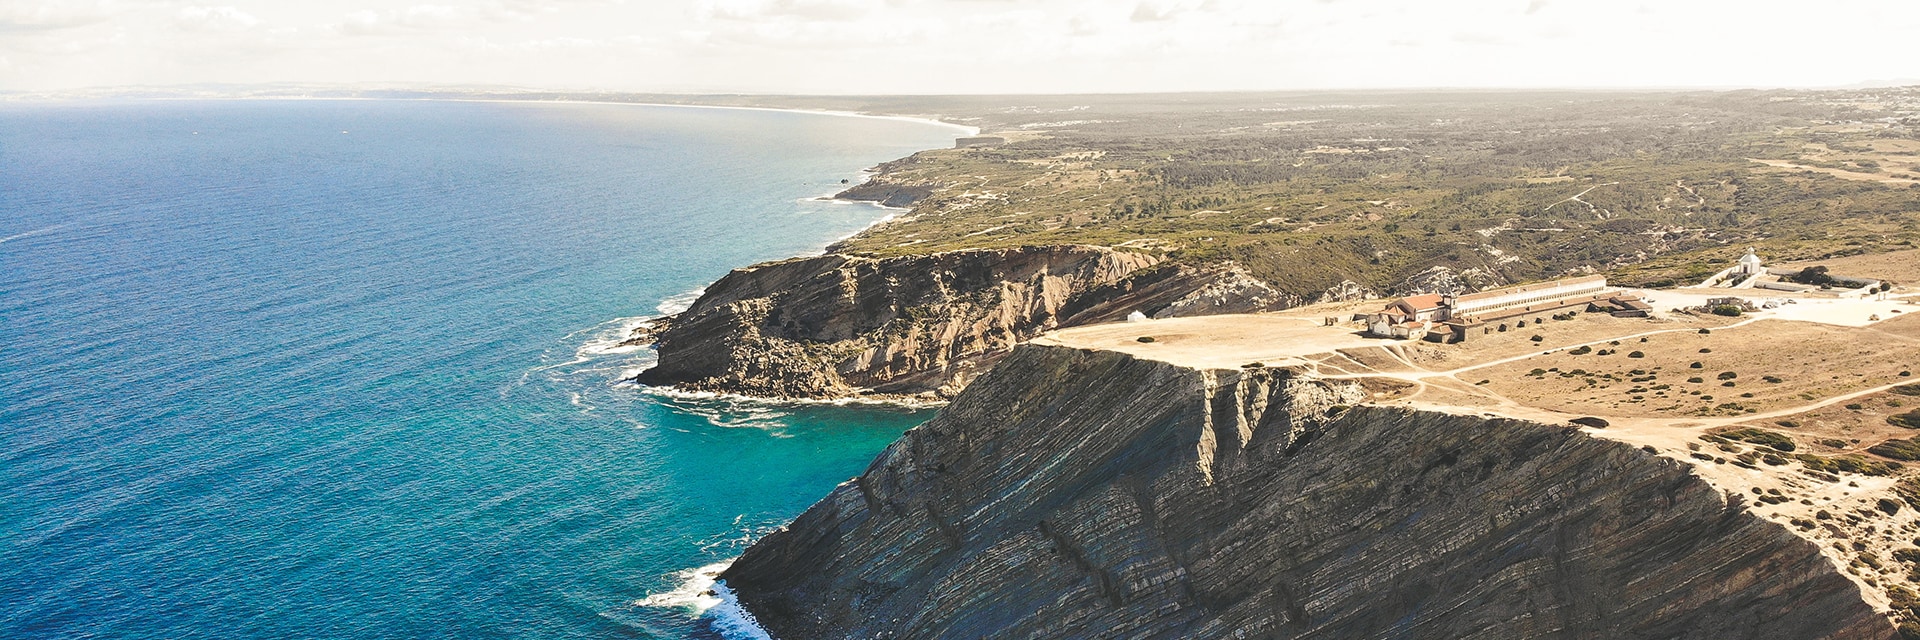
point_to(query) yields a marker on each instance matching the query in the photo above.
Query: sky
(960, 46)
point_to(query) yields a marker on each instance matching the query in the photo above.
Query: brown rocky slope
(1075, 493)
(839, 325)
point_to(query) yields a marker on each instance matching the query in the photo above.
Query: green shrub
(1910, 419)
(1144, 339)
(1731, 311)
(1907, 450)
(1636, 354)
(1907, 390)
(1851, 463)
(1728, 375)
(1776, 441)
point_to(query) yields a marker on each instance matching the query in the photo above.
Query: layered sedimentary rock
(1091, 494)
(839, 325)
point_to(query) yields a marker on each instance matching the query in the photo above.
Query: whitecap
(32, 233)
(732, 619)
(674, 304)
(693, 590)
(900, 402)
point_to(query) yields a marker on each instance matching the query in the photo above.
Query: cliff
(1076, 493)
(839, 325)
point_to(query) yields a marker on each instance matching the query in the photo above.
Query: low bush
(1910, 419)
(1776, 441)
(1907, 450)
(1851, 463)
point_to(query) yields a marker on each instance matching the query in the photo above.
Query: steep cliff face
(1091, 494)
(838, 325)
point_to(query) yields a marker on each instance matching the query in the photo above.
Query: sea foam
(700, 592)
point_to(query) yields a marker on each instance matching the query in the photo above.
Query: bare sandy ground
(1901, 267)
(1215, 342)
(1818, 372)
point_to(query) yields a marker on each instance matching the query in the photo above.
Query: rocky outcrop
(838, 325)
(887, 193)
(1086, 494)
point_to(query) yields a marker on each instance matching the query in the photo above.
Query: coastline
(889, 214)
(967, 130)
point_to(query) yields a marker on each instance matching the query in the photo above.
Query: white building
(1446, 318)
(1501, 300)
(1749, 265)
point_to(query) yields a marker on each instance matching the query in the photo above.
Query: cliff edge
(836, 326)
(1084, 493)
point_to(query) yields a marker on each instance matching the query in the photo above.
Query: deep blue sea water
(341, 369)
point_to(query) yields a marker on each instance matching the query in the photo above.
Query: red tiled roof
(1423, 302)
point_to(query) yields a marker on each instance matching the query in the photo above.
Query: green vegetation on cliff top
(1379, 188)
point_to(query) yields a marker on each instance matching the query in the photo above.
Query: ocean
(348, 369)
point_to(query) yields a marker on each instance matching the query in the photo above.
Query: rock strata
(1091, 494)
(838, 325)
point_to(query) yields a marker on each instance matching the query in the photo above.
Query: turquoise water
(344, 369)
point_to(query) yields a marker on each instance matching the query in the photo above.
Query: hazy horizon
(958, 47)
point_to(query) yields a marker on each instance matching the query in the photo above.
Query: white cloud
(956, 45)
(46, 15)
(222, 18)
(369, 22)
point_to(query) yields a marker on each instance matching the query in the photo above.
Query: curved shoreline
(966, 129)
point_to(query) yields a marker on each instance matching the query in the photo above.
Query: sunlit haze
(960, 46)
